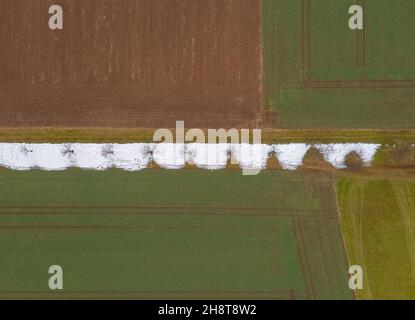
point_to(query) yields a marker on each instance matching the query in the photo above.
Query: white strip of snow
(291, 156)
(251, 156)
(208, 156)
(335, 154)
(169, 155)
(91, 156)
(138, 156)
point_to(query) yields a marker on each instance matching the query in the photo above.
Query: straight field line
(286, 293)
(357, 84)
(96, 227)
(302, 252)
(305, 38)
(157, 208)
(282, 215)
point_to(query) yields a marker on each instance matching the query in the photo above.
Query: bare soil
(131, 63)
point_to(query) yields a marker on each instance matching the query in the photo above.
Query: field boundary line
(361, 40)
(302, 252)
(154, 292)
(305, 38)
(267, 294)
(276, 215)
(357, 84)
(106, 227)
(157, 208)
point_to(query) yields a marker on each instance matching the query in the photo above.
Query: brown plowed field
(131, 63)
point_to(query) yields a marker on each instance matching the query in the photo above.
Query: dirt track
(131, 63)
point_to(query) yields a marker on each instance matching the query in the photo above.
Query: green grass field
(378, 217)
(320, 74)
(168, 234)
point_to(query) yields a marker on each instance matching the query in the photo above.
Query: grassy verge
(269, 136)
(378, 219)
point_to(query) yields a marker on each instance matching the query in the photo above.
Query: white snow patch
(134, 157)
(169, 155)
(291, 156)
(91, 156)
(130, 157)
(251, 156)
(208, 156)
(51, 157)
(335, 154)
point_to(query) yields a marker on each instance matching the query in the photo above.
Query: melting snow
(169, 155)
(291, 156)
(251, 156)
(208, 156)
(138, 156)
(335, 154)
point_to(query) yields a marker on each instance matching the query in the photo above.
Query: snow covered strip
(138, 156)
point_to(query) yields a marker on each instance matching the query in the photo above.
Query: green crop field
(320, 74)
(378, 217)
(168, 234)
